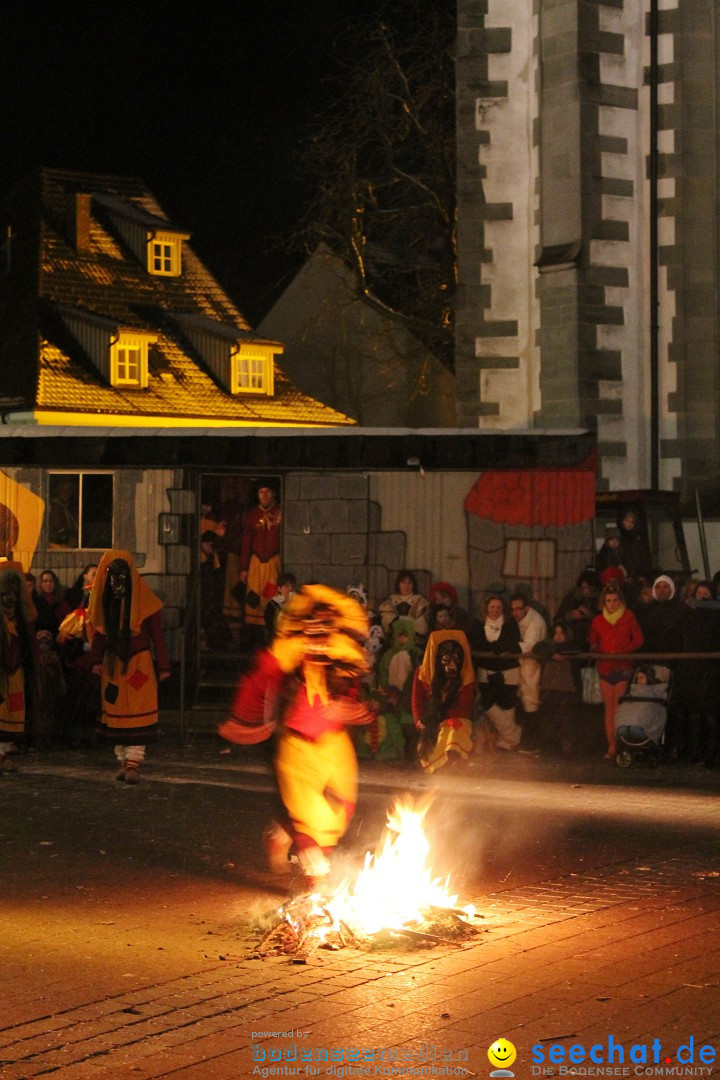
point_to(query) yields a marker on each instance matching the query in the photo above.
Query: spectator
(532, 631)
(634, 550)
(445, 611)
(499, 675)
(286, 589)
(578, 608)
(610, 554)
(78, 594)
(260, 553)
(395, 681)
(614, 630)
(50, 603)
(407, 603)
(660, 619)
(558, 690)
(696, 688)
(215, 629)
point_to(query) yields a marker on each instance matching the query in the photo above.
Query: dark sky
(206, 101)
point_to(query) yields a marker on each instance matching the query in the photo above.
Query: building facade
(587, 227)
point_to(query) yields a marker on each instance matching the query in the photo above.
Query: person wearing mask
(443, 700)
(127, 650)
(304, 690)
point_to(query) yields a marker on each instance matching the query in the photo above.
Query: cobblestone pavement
(131, 918)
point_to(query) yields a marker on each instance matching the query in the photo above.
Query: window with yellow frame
(129, 359)
(252, 371)
(164, 254)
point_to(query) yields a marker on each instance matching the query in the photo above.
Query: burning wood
(393, 897)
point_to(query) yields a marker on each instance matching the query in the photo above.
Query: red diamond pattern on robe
(137, 679)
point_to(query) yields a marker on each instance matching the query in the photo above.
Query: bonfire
(394, 896)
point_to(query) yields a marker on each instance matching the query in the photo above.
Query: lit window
(252, 371)
(129, 362)
(80, 510)
(165, 254)
(129, 359)
(529, 559)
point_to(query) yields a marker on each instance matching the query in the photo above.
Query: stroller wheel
(624, 759)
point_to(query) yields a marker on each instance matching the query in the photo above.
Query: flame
(395, 887)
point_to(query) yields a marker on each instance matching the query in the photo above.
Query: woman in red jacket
(614, 630)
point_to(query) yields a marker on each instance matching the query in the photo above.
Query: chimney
(78, 220)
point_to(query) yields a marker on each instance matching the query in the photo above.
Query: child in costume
(125, 617)
(392, 733)
(306, 686)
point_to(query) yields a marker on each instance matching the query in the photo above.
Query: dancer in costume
(125, 617)
(306, 688)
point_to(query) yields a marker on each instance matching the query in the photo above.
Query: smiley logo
(502, 1053)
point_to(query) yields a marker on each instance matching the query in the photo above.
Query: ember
(394, 896)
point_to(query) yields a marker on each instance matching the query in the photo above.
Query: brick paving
(622, 946)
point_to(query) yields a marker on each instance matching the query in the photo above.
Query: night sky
(206, 102)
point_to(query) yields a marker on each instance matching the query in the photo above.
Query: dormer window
(252, 370)
(240, 362)
(164, 254)
(129, 359)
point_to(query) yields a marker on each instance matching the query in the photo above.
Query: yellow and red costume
(260, 559)
(444, 708)
(128, 679)
(18, 656)
(306, 686)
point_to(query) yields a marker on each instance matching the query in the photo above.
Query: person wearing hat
(634, 549)
(610, 554)
(260, 554)
(445, 611)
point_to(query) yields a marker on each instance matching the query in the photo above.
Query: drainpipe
(654, 265)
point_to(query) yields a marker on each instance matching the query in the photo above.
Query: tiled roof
(109, 281)
(177, 387)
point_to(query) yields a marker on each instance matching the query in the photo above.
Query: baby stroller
(642, 714)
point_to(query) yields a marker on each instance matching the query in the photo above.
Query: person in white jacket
(532, 629)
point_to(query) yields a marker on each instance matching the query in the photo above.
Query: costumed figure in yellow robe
(18, 654)
(443, 700)
(125, 616)
(260, 553)
(306, 688)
